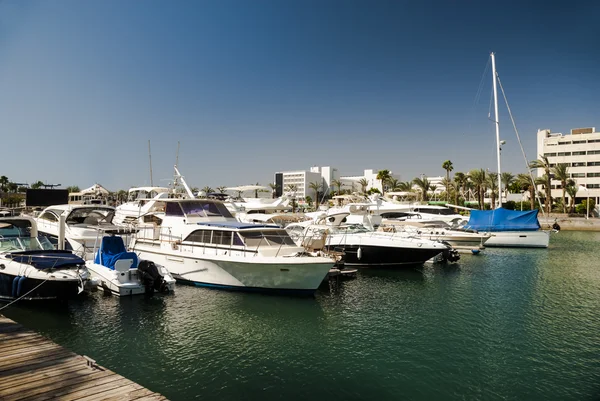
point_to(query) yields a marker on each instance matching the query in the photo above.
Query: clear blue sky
(254, 87)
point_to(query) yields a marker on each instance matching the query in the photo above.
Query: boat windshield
(10, 244)
(203, 209)
(350, 229)
(91, 215)
(266, 237)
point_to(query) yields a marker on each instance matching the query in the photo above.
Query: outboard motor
(151, 277)
(450, 255)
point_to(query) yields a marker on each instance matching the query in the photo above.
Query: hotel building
(581, 151)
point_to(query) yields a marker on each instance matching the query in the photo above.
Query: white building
(302, 179)
(581, 151)
(370, 175)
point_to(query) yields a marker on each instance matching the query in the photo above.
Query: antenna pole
(150, 157)
(497, 124)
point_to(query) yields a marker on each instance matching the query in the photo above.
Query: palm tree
(478, 179)
(393, 184)
(364, 183)
(424, 186)
(449, 186)
(36, 185)
(525, 183)
(561, 173)
(507, 180)
(492, 183)
(207, 190)
(460, 179)
(571, 189)
(543, 163)
(338, 184)
(273, 189)
(256, 191)
(447, 165)
(293, 188)
(405, 186)
(222, 189)
(73, 188)
(4, 183)
(316, 186)
(384, 176)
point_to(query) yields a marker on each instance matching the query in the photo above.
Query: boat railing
(176, 241)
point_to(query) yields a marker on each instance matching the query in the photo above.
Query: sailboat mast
(497, 124)
(150, 157)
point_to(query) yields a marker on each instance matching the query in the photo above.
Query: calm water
(506, 325)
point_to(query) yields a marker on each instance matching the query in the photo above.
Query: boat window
(221, 237)
(48, 216)
(89, 215)
(173, 209)
(267, 237)
(204, 209)
(202, 236)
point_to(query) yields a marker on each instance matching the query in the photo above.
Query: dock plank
(33, 368)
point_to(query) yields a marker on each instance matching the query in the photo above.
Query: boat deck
(35, 368)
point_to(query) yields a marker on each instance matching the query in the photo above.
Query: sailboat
(509, 228)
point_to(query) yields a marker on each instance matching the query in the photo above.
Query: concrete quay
(570, 223)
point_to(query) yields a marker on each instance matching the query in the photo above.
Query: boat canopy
(503, 220)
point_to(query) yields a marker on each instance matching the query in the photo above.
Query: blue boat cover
(42, 259)
(503, 220)
(111, 250)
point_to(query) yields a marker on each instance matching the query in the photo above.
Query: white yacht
(201, 243)
(81, 222)
(120, 273)
(438, 231)
(362, 247)
(30, 267)
(139, 201)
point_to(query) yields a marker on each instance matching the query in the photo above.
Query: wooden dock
(34, 368)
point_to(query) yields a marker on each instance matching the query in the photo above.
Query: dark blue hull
(380, 256)
(13, 287)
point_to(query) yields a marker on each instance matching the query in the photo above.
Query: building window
(578, 175)
(550, 154)
(580, 153)
(565, 143)
(594, 141)
(576, 142)
(593, 164)
(593, 175)
(593, 152)
(564, 154)
(593, 186)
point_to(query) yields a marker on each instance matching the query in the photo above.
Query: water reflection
(507, 324)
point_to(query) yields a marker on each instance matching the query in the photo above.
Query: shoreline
(570, 223)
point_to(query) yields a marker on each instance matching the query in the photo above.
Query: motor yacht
(139, 201)
(201, 243)
(30, 267)
(81, 222)
(363, 247)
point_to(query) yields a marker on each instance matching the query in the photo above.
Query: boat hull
(128, 284)
(48, 289)
(294, 275)
(361, 255)
(519, 239)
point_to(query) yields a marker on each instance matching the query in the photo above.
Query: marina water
(510, 324)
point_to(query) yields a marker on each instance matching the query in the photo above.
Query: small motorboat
(120, 273)
(30, 267)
